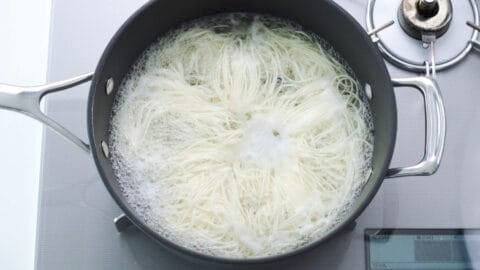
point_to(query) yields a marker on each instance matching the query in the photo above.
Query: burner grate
(430, 64)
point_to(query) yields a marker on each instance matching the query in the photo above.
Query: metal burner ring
(400, 62)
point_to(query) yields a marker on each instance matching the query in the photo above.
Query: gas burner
(425, 19)
(433, 33)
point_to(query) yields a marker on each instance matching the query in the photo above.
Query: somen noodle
(240, 136)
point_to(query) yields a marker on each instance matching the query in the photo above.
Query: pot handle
(435, 127)
(26, 100)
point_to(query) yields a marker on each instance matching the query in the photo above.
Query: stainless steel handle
(435, 127)
(26, 100)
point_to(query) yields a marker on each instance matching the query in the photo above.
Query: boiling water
(240, 136)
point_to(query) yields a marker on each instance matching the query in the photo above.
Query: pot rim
(181, 250)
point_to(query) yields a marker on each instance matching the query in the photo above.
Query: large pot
(320, 16)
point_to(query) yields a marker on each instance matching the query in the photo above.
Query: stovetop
(75, 228)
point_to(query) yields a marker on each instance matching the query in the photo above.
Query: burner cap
(424, 19)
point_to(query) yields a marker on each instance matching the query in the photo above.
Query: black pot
(322, 17)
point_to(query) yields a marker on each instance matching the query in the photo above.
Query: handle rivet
(368, 91)
(109, 86)
(105, 150)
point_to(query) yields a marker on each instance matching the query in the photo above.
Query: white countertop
(24, 32)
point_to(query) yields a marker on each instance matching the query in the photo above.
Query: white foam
(241, 136)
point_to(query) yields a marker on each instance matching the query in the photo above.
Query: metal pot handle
(435, 127)
(26, 100)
